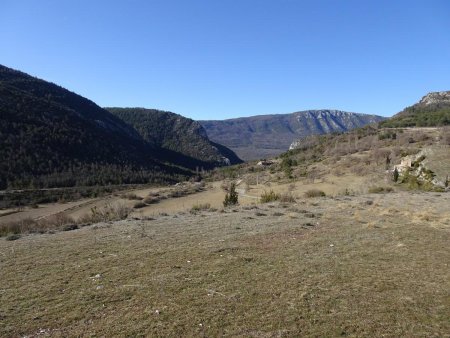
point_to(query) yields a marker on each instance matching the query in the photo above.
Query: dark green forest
(177, 133)
(51, 137)
(419, 115)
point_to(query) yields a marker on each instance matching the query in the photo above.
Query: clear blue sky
(217, 59)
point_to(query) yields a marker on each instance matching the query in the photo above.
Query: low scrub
(28, 225)
(132, 196)
(139, 205)
(13, 237)
(270, 196)
(314, 193)
(151, 199)
(380, 190)
(287, 198)
(200, 207)
(110, 212)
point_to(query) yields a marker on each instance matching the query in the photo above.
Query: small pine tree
(231, 198)
(395, 175)
(388, 162)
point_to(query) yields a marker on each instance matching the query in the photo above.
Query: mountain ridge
(269, 135)
(433, 109)
(52, 137)
(175, 132)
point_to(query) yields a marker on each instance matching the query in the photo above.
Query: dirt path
(45, 210)
(214, 195)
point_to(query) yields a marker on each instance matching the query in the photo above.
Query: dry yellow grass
(344, 266)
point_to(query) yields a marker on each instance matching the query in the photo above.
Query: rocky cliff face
(430, 168)
(432, 110)
(436, 97)
(269, 135)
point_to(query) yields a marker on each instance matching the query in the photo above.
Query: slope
(51, 137)
(269, 135)
(174, 132)
(432, 110)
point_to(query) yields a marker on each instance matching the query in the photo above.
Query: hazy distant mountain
(269, 135)
(51, 137)
(432, 110)
(177, 133)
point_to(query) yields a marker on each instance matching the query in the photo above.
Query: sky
(219, 59)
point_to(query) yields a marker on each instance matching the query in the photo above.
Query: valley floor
(368, 265)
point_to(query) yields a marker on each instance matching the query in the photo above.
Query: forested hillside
(431, 111)
(51, 137)
(176, 133)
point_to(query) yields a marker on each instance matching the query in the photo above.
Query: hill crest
(270, 135)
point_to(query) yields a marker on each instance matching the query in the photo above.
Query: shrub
(57, 220)
(231, 197)
(200, 207)
(270, 196)
(151, 200)
(380, 190)
(395, 175)
(139, 205)
(70, 227)
(13, 237)
(314, 193)
(110, 212)
(287, 198)
(132, 196)
(63, 222)
(29, 225)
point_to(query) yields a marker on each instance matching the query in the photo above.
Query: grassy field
(362, 266)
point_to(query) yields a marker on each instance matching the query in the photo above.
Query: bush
(314, 193)
(110, 212)
(13, 237)
(63, 222)
(231, 197)
(28, 225)
(270, 196)
(57, 220)
(200, 207)
(139, 205)
(70, 227)
(380, 190)
(287, 198)
(395, 175)
(151, 200)
(132, 196)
